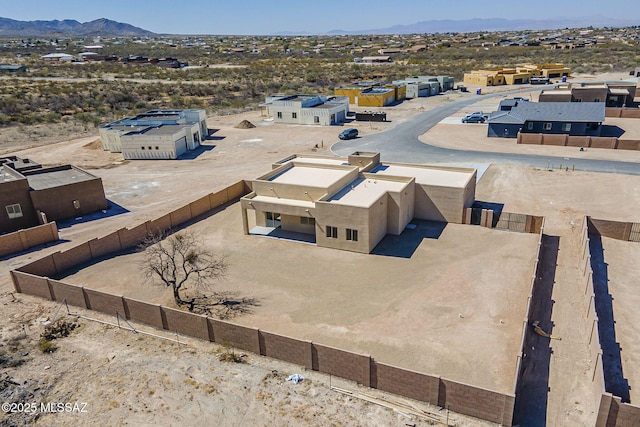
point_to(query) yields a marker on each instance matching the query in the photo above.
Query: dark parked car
(473, 118)
(348, 133)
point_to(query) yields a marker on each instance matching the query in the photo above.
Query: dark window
(14, 211)
(279, 114)
(547, 126)
(306, 220)
(352, 235)
(294, 115)
(332, 232)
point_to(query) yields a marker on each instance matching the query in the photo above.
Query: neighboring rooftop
(40, 179)
(586, 112)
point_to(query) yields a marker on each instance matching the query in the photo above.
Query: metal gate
(634, 236)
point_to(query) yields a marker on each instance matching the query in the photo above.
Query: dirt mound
(95, 145)
(245, 124)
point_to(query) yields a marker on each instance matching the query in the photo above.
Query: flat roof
(287, 202)
(319, 161)
(7, 174)
(427, 175)
(363, 192)
(155, 130)
(41, 179)
(310, 176)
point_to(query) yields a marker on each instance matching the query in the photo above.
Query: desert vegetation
(233, 73)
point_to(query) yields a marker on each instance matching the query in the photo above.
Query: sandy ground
(147, 189)
(623, 272)
(457, 315)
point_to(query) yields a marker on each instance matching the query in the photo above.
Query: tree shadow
(532, 388)
(614, 380)
(223, 305)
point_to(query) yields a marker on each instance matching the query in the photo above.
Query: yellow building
(519, 75)
(372, 94)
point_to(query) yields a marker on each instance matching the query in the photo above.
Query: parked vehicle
(477, 117)
(348, 133)
(539, 80)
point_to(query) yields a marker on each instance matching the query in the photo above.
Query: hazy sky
(269, 16)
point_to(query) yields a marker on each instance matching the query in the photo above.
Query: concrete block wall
(227, 333)
(414, 385)
(143, 312)
(72, 257)
(477, 402)
(27, 238)
(630, 113)
(105, 245)
(185, 323)
(30, 284)
(285, 348)
(103, 302)
(352, 366)
(180, 216)
(612, 229)
(72, 294)
(200, 206)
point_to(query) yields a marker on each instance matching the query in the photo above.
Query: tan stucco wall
(343, 217)
(439, 203)
(292, 223)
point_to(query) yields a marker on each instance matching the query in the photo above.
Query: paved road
(401, 144)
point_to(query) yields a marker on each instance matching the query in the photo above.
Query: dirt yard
(125, 377)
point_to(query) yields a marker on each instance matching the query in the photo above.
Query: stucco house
(156, 134)
(31, 194)
(306, 109)
(352, 203)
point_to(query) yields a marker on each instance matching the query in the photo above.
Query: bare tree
(179, 260)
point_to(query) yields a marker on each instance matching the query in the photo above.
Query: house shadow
(405, 244)
(113, 209)
(478, 206)
(194, 154)
(532, 389)
(211, 137)
(614, 380)
(611, 131)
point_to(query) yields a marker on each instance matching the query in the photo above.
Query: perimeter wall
(612, 412)
(27, 238)
(34, 279)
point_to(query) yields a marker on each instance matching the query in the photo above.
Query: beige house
(306, 109)
(156, 134)
(352, 203)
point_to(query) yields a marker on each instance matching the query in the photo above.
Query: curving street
(401, 144)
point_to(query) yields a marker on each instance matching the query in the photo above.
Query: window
(149, 148)
(530, 126)
(332, 232)
(316, 119)
(578, 100)
(143, 147)
(294, 115)
(157, 147)
(352, 235)
(307, 221)
(14, 211)
(596, 100)
(566, 127)
(279, 114)
(547, 126)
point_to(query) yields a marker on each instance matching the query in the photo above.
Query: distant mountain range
(67, 27)
(494, 24)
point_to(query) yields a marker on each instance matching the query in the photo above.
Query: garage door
(181, 146)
